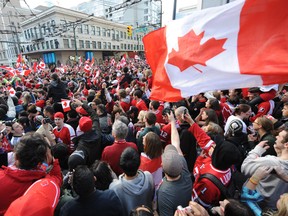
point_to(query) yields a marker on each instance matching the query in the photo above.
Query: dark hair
(214, 104)
(242, 108)
(60, 151)
(32, 109)
(83, 181)
(153, 146)
(212, 116)
(102, 173)
(141, 211)
(155, 104)
(236, 208)
(72, 113)
(49, 109)
(138, 93)
(31, 151)
(130, 161)
(55, 77)
(150, 118)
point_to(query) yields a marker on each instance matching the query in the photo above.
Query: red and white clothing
(165, 134)
(153, 166)
(65, 135)
(125, 106)
(204, 191)
(264, 108)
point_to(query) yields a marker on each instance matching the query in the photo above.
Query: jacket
(14, 182)
(57, 91)
(272, 186)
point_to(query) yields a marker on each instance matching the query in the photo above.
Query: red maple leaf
(191, 52)
(64, 103)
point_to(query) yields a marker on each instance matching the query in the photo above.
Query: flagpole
(174, 9)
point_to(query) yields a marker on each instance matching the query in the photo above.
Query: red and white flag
(240, 44)
(41, 65)
(87, 68)
(10, 70)
(123, 62)
(23, 72)
(11, 91)
(66, 105)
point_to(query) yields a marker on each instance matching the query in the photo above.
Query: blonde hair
(141, 115)
(282, 206)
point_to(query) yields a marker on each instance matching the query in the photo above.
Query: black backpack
(233, 190)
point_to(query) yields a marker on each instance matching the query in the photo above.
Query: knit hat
(81, 111)
(41, 198)
(225, 155)
(59, 115)
(85, 124)
(171, 161)
(75, 159)
(235, 127)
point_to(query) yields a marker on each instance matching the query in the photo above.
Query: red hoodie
(14, 182)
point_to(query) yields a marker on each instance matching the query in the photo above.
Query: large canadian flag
(240, 44)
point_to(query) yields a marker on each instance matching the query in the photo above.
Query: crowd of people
(78, 142)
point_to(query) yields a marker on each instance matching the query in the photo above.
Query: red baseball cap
(85, 124)
(59, 115)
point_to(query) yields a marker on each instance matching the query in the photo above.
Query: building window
(86, 29)
(94, 44)
(104, 32)
(108, 33)
(104, 45)
(145, 11)
(81, 43)
(109, 45)
(66, 43)
(98, 31)
(31, 31)
(145, 18)
(125, 35)
(121, 34)
(118, 47)
(72, 43)
(43, 45)
(117, 35)
(125, 46)
(122, 46)
(113, 34)
(25, 34)
(93, 30)
(146, 3)
(99, 45)
(80, 29)
(52, 44)
(87, 44)
(47, 44)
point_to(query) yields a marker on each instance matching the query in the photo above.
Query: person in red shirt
(63, 132)
(140, 104)
(215, 159)
(111, 154)
(157, 109)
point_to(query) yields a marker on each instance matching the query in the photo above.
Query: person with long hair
(151, 157)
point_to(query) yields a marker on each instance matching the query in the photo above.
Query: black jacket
(57, 90)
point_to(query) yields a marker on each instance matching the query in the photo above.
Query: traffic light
(129, 31)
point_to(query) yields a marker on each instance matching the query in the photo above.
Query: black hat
(225, 155)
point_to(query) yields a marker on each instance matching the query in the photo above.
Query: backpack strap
(216, 182)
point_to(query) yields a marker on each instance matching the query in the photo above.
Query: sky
(167, 5)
